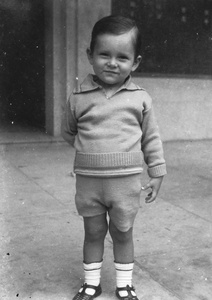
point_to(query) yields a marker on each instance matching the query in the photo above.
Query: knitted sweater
(113, 136)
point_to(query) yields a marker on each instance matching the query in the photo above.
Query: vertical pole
(72, 47)
(55, 64)
(76, 43)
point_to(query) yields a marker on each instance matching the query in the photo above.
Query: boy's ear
(136, 62)
(89, 55)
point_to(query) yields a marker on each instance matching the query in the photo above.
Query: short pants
(119, 196)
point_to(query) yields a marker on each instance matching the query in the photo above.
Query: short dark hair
(116, 25)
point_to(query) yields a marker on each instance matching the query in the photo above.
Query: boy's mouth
(110, 72)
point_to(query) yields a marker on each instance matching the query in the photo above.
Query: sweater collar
(90, 83)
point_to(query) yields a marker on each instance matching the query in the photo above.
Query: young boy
(110, 122)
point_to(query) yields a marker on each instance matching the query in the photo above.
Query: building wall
(183, 106)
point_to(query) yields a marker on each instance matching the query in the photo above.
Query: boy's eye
(104, 54)
(123, 57)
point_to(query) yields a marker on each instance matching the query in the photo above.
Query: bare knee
(95, 233)
(120, 236)
(95, 228)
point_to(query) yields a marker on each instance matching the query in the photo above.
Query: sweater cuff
(157, 171)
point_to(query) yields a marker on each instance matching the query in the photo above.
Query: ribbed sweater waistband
(108, 160)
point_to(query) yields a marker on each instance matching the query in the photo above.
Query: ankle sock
(92, 273)
(124, 274)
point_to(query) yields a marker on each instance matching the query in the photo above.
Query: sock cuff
(124, 267)
(92, 266)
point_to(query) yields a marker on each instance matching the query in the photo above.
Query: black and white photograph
(106, 149)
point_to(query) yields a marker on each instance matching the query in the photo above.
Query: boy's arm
(153, 154)
(151, 145)
(69, 125)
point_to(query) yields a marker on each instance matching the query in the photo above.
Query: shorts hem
(91, 215)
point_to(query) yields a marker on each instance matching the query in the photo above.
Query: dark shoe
(81, 295)
(129, 290)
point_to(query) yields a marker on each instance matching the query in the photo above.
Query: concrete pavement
(41, 234)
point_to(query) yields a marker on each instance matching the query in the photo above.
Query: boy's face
(113, 58)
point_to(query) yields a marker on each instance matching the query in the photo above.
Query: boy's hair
(116, 25)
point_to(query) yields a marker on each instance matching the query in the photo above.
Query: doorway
(22, 64)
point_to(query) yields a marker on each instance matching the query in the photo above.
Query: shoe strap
(126, 288)
(89, 286)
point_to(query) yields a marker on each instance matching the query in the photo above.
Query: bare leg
(123, 246)
(95, 231)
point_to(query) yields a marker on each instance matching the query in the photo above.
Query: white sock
(124, 274)
(92, 273)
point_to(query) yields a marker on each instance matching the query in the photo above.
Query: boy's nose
(112, 62)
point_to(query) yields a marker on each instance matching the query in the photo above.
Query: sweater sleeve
(69, 124)
(151, 144)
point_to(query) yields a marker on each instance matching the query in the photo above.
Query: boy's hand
(154, 184)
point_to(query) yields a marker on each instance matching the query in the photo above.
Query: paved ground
(41, 234)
